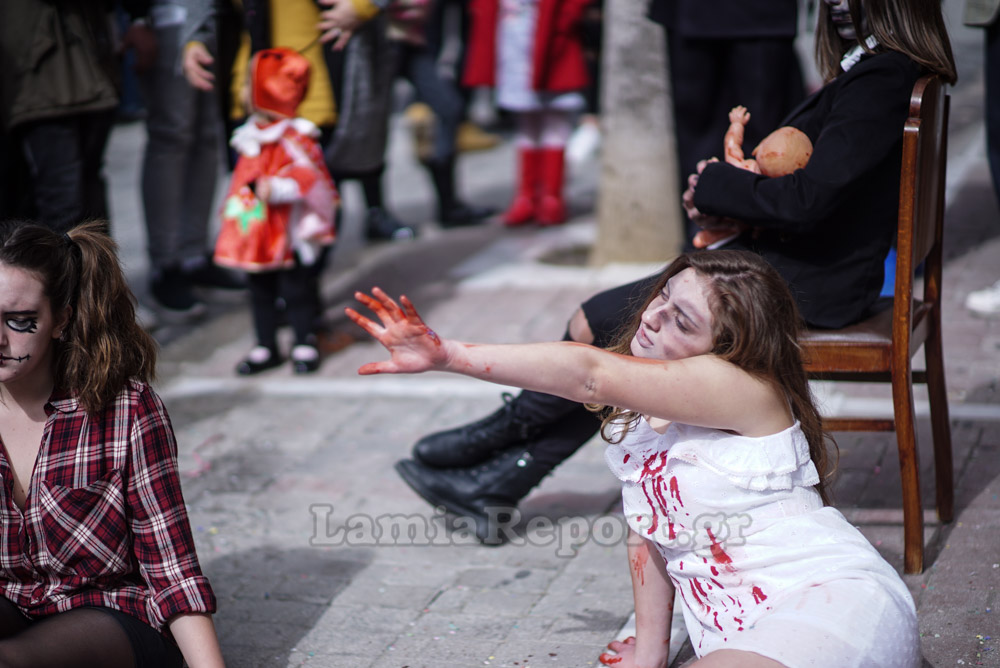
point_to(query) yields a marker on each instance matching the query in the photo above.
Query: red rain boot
(551, 208)
(522, 209)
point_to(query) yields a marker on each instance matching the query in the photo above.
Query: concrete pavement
(321, 556)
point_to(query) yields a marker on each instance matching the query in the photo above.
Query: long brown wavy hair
(912, 27)
(755, 325)
(102, 347)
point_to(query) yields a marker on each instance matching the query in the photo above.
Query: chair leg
(909, 469)
(944, 481)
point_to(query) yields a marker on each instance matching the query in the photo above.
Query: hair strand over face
(755, 326)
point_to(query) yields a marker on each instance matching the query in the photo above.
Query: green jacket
(56, 60)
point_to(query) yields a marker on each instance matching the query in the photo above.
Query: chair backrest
(921, 194)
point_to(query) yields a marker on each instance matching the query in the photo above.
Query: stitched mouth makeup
(4, 359)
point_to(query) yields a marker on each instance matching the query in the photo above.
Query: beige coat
(981, 12)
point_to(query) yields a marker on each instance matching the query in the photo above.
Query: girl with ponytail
(97, 561)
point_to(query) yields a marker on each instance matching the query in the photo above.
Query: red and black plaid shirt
(104, 522)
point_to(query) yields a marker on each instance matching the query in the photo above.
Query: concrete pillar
(638, 206)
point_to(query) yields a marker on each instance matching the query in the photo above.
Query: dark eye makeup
(24, 325)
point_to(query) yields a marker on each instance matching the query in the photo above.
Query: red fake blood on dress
(698, 585)
(675, 492)
(655, 521)
(715, 571)
(662, 500)
(738, 621)
(717, 583)
(717, 552)
(639, 563)
(647, 466)
(694, 593)
(627, 456)
(758, 595)
(716, 621)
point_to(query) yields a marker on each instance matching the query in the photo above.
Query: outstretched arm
(686, 390)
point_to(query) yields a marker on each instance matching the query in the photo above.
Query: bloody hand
(413, 346)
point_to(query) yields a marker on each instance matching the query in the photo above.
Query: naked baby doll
(780, 153)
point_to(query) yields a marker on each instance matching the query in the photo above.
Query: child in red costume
(530, 51)
(279, 212)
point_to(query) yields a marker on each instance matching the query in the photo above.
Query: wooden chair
(881, 348)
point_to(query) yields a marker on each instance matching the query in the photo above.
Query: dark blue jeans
(65, 157)
(442, 95)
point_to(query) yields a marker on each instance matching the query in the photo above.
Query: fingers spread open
(363, 322)
(373, 304)
(410, 310)
(389, 303)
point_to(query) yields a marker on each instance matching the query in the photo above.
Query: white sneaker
(985, 301)
(583, 143)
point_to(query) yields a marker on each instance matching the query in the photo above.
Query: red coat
(557, 61)
(264, 236)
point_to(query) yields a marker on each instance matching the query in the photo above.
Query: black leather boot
(487, 494)
(453, 212)
(476, 442)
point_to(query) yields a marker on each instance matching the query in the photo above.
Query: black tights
(82, 638)
(299, 287)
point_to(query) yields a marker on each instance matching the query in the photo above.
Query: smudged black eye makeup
(24, 325)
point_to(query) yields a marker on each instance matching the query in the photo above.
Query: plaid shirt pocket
(84, 531)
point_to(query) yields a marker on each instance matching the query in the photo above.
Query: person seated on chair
(825, 228)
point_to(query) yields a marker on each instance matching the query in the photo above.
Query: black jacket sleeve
(854, 122)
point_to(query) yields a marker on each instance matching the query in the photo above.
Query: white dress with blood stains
(760, 563)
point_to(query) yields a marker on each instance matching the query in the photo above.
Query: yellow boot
(471, 137)
(421, 120)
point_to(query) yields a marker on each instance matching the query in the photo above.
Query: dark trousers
(65, 157)
(418, 64)
(435, 37)
(711, 76)
(993, 102)
(16, 200)
(569, 424)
